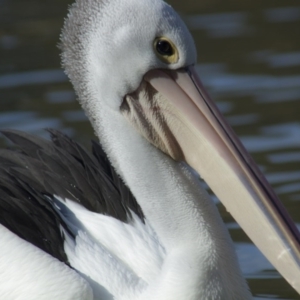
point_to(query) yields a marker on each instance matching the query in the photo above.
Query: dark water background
(249, 59)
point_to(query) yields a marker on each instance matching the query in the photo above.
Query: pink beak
(210, 146)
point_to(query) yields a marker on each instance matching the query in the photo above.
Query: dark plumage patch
(30, 176)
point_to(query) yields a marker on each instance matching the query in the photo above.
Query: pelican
(130, 221)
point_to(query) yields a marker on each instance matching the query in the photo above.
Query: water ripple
(283, 14)
(32, 78)
(220, 25)
(274, 138)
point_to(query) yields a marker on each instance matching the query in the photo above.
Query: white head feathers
(108, 45)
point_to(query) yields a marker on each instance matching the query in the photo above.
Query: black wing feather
(40, 169)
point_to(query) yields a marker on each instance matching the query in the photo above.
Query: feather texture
(61, 167)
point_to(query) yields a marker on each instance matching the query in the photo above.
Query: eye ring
(166, 50)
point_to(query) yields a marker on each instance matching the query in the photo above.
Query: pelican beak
(178, 117)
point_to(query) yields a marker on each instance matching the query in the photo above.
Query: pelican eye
(166, 50)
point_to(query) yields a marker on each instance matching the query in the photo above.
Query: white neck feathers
(199, 250)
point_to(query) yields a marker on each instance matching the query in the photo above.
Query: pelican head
(131, 64)
(115, 43)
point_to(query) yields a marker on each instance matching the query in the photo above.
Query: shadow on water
(249, 59)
